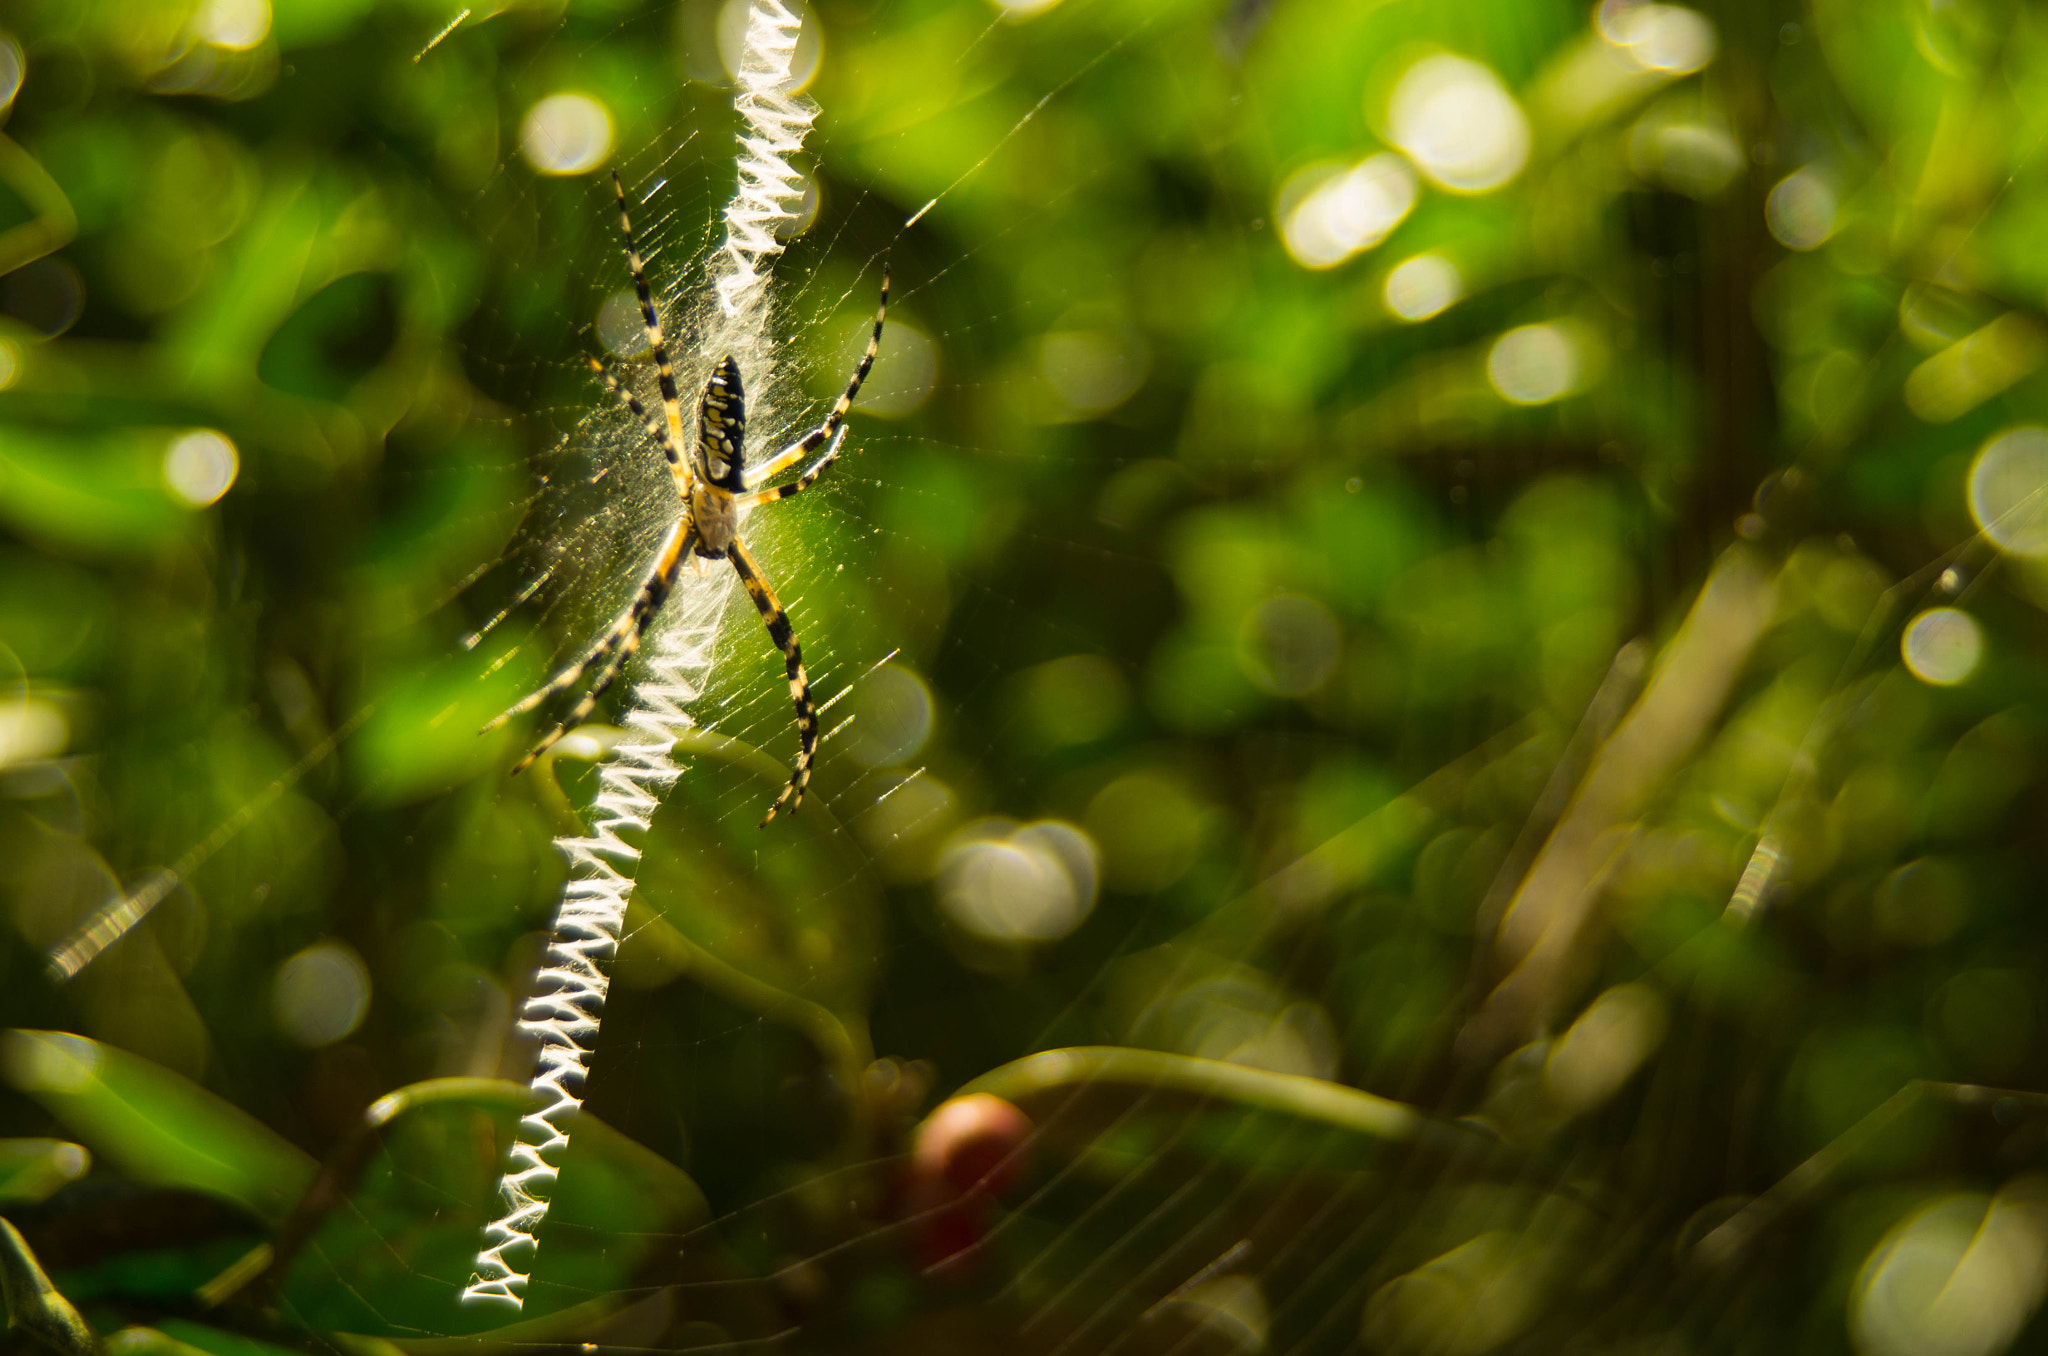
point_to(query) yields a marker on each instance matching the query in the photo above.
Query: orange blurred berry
(966, 1153)
(974, 1144)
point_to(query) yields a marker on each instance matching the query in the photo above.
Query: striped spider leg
(608, 657)
(714, 489)
(740, 492)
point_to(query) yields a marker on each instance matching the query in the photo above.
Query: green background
(1365, 684)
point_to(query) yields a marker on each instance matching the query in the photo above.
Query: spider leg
(655, 428)
(569, 676)
(800, 484)
(812, 441)
(613, 649)
(671, 403)
(777, 622)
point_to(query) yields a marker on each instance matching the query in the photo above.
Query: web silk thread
(774, 121)
(564, 1014)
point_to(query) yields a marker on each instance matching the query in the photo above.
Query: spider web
(788, 1004)
(601, 502)
(1155, 1217)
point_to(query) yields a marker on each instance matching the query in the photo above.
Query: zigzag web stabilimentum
(566, 1010)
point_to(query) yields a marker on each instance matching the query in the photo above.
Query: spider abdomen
(722, 427)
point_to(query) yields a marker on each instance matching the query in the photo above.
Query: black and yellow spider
(714, 486)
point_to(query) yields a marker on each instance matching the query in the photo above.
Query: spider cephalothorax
(714, 486)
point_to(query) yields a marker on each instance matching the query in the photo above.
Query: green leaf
(100, 492)
(35, 1169)
(156, 1126)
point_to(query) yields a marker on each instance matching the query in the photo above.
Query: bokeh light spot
(235, 24)
(10, 364)
(1922, 903)
(1533, 365)
(1800, 211)
(321, 995)
(1018, 885)
(13, 65)
(892, 710)
(31, 731)
(1459, 124)
(200, 466)
(1423, 286)
(906, 370)
(1150, 830)
(48, 294)
(1957, 1278)
(620, 326)
(1942, 646)
(2008, 491)
(1698, 159)
(1290, 645)
(566, 134)
(916, 807)
(1076, 699)
(1668, 39)
(1328, 213)
(1093, 371)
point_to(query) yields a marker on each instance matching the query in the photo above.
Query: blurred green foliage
(1485, 551)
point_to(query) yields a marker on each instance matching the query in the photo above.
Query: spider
(714, 487)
